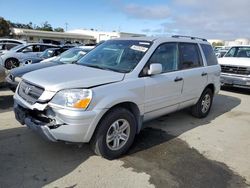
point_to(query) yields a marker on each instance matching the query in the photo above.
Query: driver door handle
(177, 79)
(204, 74)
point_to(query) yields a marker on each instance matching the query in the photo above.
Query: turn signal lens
(82, 103)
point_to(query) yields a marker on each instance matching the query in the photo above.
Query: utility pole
(66, 26)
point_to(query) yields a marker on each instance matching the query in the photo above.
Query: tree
(217, 44)
(59, 29)
(4, 27)
(45, 27)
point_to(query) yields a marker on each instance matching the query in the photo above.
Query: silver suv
(107, 95)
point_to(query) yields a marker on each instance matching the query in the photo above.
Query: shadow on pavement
(29, 161)
(6, 103)
(236, 90)
(170, 162)
(26, 160)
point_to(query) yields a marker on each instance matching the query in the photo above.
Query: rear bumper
(235, 80)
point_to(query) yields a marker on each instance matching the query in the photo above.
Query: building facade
(104, 35)
(30, 35)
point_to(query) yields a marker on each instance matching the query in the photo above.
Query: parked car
(49, 53)
(235, 67)
(107, 95)
(70, 56)
(220, 53)
(12, 58)
(2, 74)
(7, 44)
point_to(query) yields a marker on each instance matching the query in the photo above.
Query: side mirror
(154, 69)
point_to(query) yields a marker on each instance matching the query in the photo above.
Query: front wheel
(11, 63)
(115, 134)
(203, 106)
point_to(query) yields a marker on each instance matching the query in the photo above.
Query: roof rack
(193, 38)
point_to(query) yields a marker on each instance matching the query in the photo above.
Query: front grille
(29, 92)
(235, 70)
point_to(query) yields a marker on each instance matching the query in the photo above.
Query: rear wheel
(115, 134)
(11, 63)
(202, 107)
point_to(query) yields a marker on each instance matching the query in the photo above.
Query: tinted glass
(167, 56)
(209, 54)
(189, 56)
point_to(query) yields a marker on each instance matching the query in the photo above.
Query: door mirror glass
(155, 68)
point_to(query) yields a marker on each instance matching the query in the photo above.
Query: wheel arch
(130, 106)
(210, 86)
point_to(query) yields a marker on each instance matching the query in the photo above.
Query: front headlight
(17, 79)
(73, 98)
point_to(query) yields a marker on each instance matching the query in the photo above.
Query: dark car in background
(70, 56)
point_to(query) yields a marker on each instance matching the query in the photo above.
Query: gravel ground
(175, 150)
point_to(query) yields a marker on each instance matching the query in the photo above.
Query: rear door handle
(204, 74)
(177, 79)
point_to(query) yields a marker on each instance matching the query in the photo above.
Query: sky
(212, 19)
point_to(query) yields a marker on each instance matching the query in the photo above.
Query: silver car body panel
(153, 95)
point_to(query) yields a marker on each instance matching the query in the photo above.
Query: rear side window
(189, 56)
(209, 54)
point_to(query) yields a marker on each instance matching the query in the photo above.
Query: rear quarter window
(209, 54)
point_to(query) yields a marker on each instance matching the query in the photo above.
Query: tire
(104, 141)
(11, 63)
(203, 106)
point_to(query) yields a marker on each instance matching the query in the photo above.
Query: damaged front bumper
(40, 127)
(58, 124)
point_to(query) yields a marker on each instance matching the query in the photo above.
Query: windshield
(47, 54)
(17, 47)
(239, 52)
(72, 55)
(116, 55)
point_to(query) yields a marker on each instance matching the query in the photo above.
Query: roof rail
(193, 38)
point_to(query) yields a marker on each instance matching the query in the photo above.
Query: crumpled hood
(71, 76)
(236, 61)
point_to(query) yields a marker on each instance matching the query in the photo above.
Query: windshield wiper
(103, 68)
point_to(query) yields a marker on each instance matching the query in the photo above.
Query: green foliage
(45, 27)
(59, 29)
(4, 28)
(217, 44)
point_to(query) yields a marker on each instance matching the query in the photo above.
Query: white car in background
(12, 58)
(7, 44)
(235, 67)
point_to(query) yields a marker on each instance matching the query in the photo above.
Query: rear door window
(209, 54)
(189, 56)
